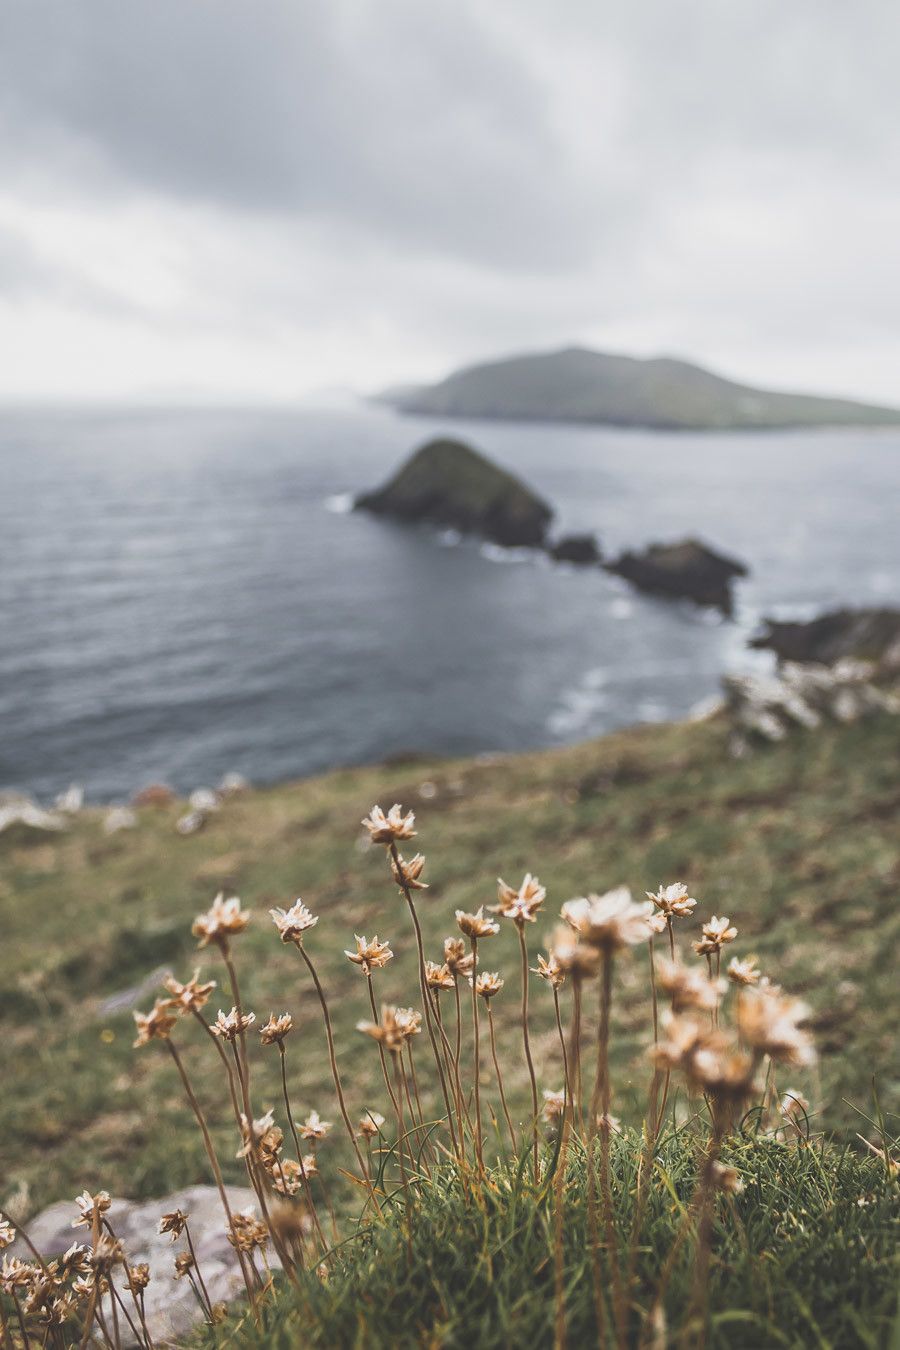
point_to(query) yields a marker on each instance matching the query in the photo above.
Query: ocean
(185, 593)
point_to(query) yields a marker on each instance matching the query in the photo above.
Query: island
(860, 634)
(447, 483)
(688, 569)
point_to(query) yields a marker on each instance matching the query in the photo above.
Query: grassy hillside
(797, 843)
(580, 385)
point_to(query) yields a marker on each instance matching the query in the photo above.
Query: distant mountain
(579, 385)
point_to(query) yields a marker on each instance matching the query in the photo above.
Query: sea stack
(684, 570)
(449, 484)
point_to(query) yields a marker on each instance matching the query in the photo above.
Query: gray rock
(768, 706)
(864, 634)
(686, 570)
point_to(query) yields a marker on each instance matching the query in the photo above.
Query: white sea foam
(498, 554)
(341, 504)
(580, 706)
(621, 608)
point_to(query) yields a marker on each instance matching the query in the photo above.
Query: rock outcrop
(684, 570)
(863, 634)
(767, 706)
(448, 483)
(576, 548)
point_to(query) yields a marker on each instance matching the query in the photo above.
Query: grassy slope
(797, 843)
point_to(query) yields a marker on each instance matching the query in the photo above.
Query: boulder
(685, 570)
(863, 634)
(576, 548)
(448, 483)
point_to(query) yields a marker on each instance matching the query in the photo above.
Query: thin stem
(476, 1058)
(200, 1279)
(415, 1082)
(605, 1101)
(509, 1124)
(401, 1132)
(381, 1054)
(303, 1173)
(575, 1041)
(534, 1094)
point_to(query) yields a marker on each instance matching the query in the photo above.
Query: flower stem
(527, 1042)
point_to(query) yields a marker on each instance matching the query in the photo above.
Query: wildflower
(294, 922)
(286, 1174)
(7, 1233)
(572, 955)
(551, 970)
(75, 1261)
(406, 872)
(389, 1031)
(370, 1124)
(155, 1025)
(438, 976)
(224, 919)
(743, 972)
(247, 1232)
(190, 997)
(230, 1027)
(369, 956)
(709, 1061)
(138, 1276)
(390, 828)
(314, 1127)
(715, 934)
(607, 922)
(673, 901)
(409, 1022)
(174, 1223)
(688, 987)
(264, 1134)
(89, 1205)
(520, 905)
(657, 923)
(184, 1263)
(274, 1031)
(459, 961)
(488, 984)
(554, 1104)
(727, 1179)
(770, 1024)
(476, 925)
(106, 1253)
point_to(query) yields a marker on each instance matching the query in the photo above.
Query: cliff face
(448, 483)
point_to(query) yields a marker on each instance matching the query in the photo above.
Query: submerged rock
(865, 634)
(687, 570)
(576, 548)
(448, 483)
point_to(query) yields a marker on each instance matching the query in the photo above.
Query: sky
(253, 200)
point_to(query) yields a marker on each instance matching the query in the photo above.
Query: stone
(688, 570)
(576, 548)
(865, 634)
(800, 695)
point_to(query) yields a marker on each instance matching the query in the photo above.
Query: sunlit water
(182, 594)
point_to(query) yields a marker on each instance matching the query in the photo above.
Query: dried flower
(657, 923)
(190, 997)
(460, 962)
(673, 901)
(370, 1124)
(743, 972)
(224, 919)
(390, 1031)
(709, 1060)
(157, 1024)
(89, 1205)
(608, 922)
(390, 828)
(406, 873)
(688, 986)
(551, 970)
(314, 1127)
(520, 905)
(230, 1027)
(263, 1135)
(274, 1031)
(7, 1233)
(139, 1276)
(106, 1253)
(572, 955)
(294, 922)
(409, 1021)
(715, 934)
(369, 956)
(174, 1223)
(247, 1232)
(438, 976)
(770, 1023)
(554, 1104)
(184, 1263)
(727, 1179)
(75, 1261)
(488, 984)
(793, 1104)
(476, 925)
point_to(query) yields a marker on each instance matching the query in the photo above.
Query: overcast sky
(245, 199)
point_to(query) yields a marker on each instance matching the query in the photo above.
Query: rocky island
(448, 483)
(684, 570)
(861, 634)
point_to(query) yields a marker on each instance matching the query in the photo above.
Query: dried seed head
(223, 920)
(75, 1261)
(88, 1206)
(488, 984)
(657, 923)
(459, 961)
(714, 936)
(608, 922)
(390, 828)
(247, 1232)
(139, 1276)
(554, 1104)
(673, 901)
(476, 925)
(688, 986)
(743, 972)
(285, 1174)
(261, 1136)
(572, 955)
(389, 1031)
(551, 970)
(157, 1024)
(274, 1031)
(727, 1179)
(370, 1124)
(769, 1022)
(293, 923)
(520, 905)
(106, 1253)
(229, 1026)
(7, 1233)
(184, 1263)
(709, 1060)
(190, 997)
(438, 976)
(173, 1223)
(314, 1127)
(406, 872)
(369, 956)
(409, 1022)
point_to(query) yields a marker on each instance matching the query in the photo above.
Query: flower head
(406, 872)
(229, 1026)
(224, 919)
(7, 1233)
(314, 1127)
(607, 922)
(293, 923)
(369, 956)
(488, 984)
(550, 969)
(247, 1232)
(688, 986)
(554, 1104)
(476, 925)
(573, 955)
(769, 1022)
(138, 1276)
(184, 1263)
(390, 1031)
(438, 976)
(743, 972)
(89, 1206)
(157, 1024)
(390, 828)
(174, 1223)
(715, 934)
(673, 901)
(459, 961)
(274, 1031)
(709, 1060)
(520, 905)
(370, 1124)
(190, 997)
